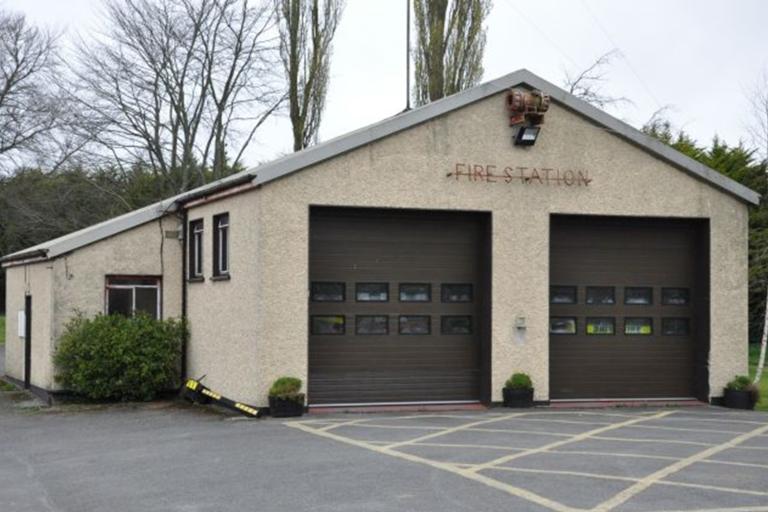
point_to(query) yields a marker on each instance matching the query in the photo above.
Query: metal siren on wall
(526, 109)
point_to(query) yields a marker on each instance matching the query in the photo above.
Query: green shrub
(519, 381)
(744, 383)
(118, 358)
(287, 388)
(739, 383)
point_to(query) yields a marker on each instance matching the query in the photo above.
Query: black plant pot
(286, 407)
(739, 399)
(518, 397)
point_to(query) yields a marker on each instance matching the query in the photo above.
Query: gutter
(24, 258)
(185, 338)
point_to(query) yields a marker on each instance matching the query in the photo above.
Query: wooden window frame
(127, 285)
(221, 262)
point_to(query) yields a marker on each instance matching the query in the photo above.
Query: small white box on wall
(21, 324)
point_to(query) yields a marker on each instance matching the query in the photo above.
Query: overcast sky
(699, 57)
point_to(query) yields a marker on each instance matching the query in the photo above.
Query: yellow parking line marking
(614, 454)
(397, 427)
(734, 509)
(484, 446)
(648, 481)
(342, 424)
(715, 420)
(734, 463)
(573, 439)
(667, 441)
(565, 473)
(569, 422)
(684, 429)
(517, 431)
(749, 447)
(457, 428)
(711, 488)
(451, 468)
(625, 479)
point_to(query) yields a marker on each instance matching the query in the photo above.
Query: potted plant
(285, 398)
(518, 391)
(740, 393)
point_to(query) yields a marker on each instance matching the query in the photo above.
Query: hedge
(119, 358)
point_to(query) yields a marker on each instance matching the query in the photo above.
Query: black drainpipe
(185, 339)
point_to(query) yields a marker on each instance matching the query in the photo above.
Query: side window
(456, 292)
(456, 325)
(638, 326)
(601, 295)
(414, 324)
(562, 295)
(333, 325)
(221, 245)
(372, 292)
(675, 296)
(327, 292)
(562, 325)
(415, 292)
(599, 326)
(129, 295)
(638, 295)
(195, 249)
(372, 324)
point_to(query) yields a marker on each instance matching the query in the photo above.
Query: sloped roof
(344, 143)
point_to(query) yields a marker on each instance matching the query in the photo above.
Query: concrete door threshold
(367, 408)
(641, 402)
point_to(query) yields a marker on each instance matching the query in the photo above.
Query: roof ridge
(294, 162)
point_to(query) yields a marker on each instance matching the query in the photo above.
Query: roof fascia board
(353, 140)
(646, 142)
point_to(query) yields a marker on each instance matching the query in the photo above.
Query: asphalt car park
(175, 457)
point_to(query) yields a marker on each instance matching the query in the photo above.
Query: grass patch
(754, 354)
(2, 330)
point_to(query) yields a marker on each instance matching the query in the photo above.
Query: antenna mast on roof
(408, 55)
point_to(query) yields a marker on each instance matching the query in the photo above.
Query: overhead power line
(622, 54)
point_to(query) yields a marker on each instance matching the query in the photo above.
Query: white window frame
(133, 288)
(222, 225)
(198, 231)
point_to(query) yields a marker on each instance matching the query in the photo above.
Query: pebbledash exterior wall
(416, 169)
(73, 283)
(252, 328)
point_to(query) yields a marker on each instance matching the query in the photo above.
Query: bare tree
(178, 85)
(758, 130)
(450, 42)
(29, 109)
(757, 126)
(306, 28)
(587, 84)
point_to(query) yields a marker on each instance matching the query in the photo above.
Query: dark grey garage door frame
(578, 362)
(359, 229)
